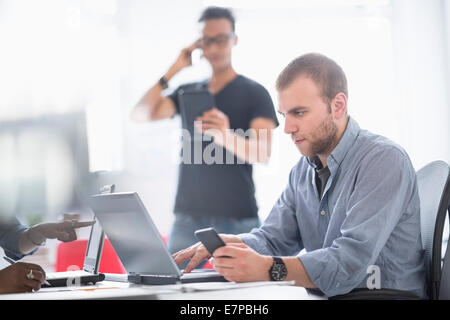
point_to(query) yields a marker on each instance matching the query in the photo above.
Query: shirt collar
(340, 151)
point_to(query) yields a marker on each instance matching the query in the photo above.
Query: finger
(24, 288)
(36, 275)
(185, 254)
(199, 256)
(211, 122)
(213, 115)
(72, 235)
(32, 284)
(209, 128)
(180, 256)
(62, 235)
(39, 276)
(82, 224)
(225, 263)
(67, 236)
(226, 273)
(194, 45)
(30, 278)
(228, 251)
(213, 109)
(195, 261)
(212, 130)
(73, 224)
(237, 244)
(209, 118)
(214, 112)
(66, 224)
(32, 266)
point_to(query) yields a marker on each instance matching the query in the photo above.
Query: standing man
(219, 195)
(351, 202)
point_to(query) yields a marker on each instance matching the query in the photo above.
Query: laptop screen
(94, 248)
(133, 234)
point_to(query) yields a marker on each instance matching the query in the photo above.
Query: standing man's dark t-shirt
(225, 190)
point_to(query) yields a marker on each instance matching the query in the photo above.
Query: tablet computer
(193, 102)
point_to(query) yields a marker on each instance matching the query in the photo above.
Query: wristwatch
(278, 271)
(163, 82)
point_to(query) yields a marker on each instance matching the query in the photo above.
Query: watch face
(278, 272)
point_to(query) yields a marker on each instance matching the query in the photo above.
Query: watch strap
(278, 260)
(163, 82)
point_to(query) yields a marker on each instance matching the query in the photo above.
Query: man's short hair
(326, 73)
(217, 13)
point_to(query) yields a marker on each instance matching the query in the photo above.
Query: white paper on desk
(213, 286)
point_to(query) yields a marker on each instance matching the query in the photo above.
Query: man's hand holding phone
(197, 252)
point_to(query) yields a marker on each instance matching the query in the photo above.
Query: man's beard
(324, 141)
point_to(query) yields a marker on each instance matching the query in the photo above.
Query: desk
(192, 291)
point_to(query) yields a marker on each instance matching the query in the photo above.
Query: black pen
(11, 261)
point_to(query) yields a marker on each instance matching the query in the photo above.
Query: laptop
(89, 274)
(138, 243)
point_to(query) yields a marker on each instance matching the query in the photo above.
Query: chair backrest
(70, 256)
(444, 284)
(434, 191)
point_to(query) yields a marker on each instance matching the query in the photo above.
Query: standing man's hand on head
(154, 105)
(184, 59)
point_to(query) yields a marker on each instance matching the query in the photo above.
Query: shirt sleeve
(262, 105)
(383, 189)
(279, 235)
(10, 232)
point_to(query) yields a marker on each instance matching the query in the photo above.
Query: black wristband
(163, 82)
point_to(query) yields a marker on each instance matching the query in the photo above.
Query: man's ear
(339, 105)
(235, 41)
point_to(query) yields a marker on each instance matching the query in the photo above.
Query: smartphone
(196, 56)
(210, 239)
(193, 103)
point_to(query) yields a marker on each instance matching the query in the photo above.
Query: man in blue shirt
(350, 212)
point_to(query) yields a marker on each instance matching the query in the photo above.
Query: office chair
(444, 290)
(433, 182)
(71, 254)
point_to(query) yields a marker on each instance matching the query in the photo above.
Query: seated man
(351, 202)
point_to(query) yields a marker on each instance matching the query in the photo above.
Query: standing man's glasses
(220, 40)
